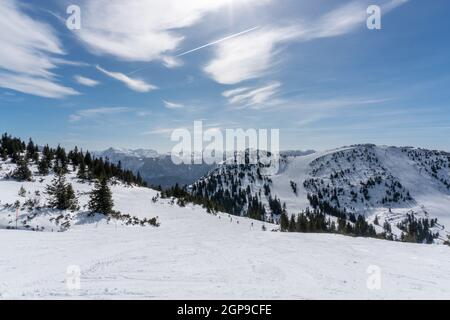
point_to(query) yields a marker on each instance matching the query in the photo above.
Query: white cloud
(132, 83)
(159, 131)
(86, 81)
(42, 87)
(233, 92)
(172, 105)
(248, 56)
(143, 113)
(71, 63)
(143, 30)
(252, 55)
(254, 97)
(95, 112)
(27, 54)
(171, 62)
(340, 21)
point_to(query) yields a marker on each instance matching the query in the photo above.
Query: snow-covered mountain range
(156, 169)
(116, 154)
(382, 183)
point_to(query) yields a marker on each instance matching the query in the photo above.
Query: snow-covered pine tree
(44, 166)
(61, 194)
(22, 172)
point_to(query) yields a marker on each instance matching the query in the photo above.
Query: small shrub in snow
(447, 242)
(22, 192)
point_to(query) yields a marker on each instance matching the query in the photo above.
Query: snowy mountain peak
(136, 153)
(378, 182)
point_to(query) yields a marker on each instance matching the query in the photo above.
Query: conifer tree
(43, 166)
(4, 154)
(101, 198)
(82, 170)
(61, 194)
(387, 227)
(47, 153)
(22, 172)
(60, 165)
(284, 222)
(292, 225)
(72, 200)
(31, 150)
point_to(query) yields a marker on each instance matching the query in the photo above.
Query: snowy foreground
(196, 255)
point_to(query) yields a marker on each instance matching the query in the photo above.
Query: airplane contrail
(207, 45)
(218, 41)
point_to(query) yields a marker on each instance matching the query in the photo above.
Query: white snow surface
(194, 255)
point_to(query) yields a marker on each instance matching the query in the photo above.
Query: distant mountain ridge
(137, 153)
(379, 182)
(155, 168)
(159, 170)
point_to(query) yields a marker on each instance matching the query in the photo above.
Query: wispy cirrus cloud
(27, 55)
(255, 97)
(86, 81)
(96, 112)
(314, 110)
(160, 132)
(252, 55)
(132, 83)
(248, 56)
(172, 105)
(42, 87)
(62, 61)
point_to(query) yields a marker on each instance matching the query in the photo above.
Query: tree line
(58, 160)
(61, 195)
(417, 230)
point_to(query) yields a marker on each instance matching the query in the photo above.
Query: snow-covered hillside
(23, 204)
(197, 255)
(381, 183)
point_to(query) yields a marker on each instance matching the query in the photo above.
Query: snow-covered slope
(374, 181)
(196, 255)
(23, 205)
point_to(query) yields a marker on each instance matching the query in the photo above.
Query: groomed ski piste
(197, 255)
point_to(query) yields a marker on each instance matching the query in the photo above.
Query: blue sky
(308, 67)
